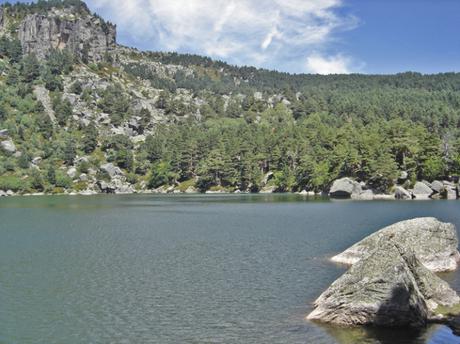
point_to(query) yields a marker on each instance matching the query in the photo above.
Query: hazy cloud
(268, 33)
(338, 64)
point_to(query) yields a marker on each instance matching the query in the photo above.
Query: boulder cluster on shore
(422, 190)
(116, 182)
(392, 280)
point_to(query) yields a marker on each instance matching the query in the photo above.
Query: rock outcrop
(2, 20)
(345, 188)
(86, 36)
(437, 186)
(8, 146)
(387, 287)
(422, 191)
(434, 243)
(111, 170)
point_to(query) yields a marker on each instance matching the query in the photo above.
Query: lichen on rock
(388, 287)
(435, 243)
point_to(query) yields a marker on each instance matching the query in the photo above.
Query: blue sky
(299, 36)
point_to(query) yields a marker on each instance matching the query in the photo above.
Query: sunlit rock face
(387, 287)
(86, 36)
(434, 243)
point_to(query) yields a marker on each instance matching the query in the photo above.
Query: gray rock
(449, 192)
(191, 190)
(82, 160)
(134, 124)
(72, 172)
(268, 189)
(106, 187)
(124, 189)
(4, 133)
(83, 177)
(422, 191)
(401, 193)
(388, 287)
(111, 170)
(138, 139)
(10, 193)
(365, 195)
(2, 19)
(43, 96)
(3, 193)
(384, 197)
(345, 188)
(92, 171)
(83, 34)
(434, 243)
(267, 178)
(8, 146)
(437, 186)
(404, 175)
(160, 190)
(170, 189)
(37, 160)
(87, 193)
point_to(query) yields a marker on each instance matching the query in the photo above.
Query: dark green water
(185, 269)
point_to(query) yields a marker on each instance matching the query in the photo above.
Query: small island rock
(388, 287)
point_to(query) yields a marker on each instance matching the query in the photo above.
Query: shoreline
(377, 197)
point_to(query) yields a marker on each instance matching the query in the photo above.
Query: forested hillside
(106, 118)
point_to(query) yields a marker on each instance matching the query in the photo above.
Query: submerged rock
(345, 188)
(387, 287)
(434, 243)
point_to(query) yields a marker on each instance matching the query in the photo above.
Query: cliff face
(87, 36)
(2, 20)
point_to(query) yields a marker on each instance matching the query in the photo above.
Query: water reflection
(378, 335)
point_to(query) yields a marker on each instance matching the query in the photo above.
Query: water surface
(186, 269)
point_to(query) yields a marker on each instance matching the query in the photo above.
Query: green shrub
(13, 183)
(63, 180)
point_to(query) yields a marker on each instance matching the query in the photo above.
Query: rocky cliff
(87, 36)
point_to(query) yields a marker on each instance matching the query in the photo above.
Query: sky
(297, 36)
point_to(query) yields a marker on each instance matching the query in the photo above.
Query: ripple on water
(191, 269)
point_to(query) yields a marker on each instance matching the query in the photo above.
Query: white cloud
(269, 33)
(338, 64)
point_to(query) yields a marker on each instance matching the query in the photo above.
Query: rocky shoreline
(115, 181)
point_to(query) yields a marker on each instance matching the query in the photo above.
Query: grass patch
(185, 185)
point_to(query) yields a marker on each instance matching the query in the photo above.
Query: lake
(186, 268)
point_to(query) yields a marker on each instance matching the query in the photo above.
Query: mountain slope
(79, 113)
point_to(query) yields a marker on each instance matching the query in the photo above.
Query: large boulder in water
(387, 287)
(345, 188)
(434, 243)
